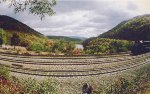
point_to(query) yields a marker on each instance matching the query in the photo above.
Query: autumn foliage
(9, 87)
(77, 51)
(104, 45)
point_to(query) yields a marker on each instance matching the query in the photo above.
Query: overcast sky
(84, 18)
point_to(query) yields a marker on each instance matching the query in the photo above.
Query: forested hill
(137, 28)
(64, 38)
(10, 24)
(28, 37)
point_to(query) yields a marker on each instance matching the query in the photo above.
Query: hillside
(64, 38)
(28, 37)
(78, 37)
(32, 40)
(137, 28)
(10, 24)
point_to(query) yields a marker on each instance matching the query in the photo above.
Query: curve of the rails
(92, 62)
(98, 72)
(66, 61)
(77, 75)
(85, 70)
(63, 63)
(60, 63)
(65, 57)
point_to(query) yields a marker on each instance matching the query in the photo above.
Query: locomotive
(140, 47)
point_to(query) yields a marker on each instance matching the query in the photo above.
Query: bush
(77, 51)
(4, 72)
(43, 87)
(47, 87)
(3, 36)
(36, 47)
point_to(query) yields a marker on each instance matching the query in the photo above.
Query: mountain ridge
(137, 28)
(67, 38)
(10, 24)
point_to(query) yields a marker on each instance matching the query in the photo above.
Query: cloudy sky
(84, 18)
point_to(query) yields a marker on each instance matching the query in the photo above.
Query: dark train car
(140, 47)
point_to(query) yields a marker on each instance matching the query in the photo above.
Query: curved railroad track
(66, 56)
(71, 67)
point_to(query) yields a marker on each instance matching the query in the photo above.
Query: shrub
(89, 51)
(36, 47)
(47, 87)
(4, 72)
(43, 87)
(3, 36)
(77, 51)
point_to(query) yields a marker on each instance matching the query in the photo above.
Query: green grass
(4, 72)
(42, 87)
(137, 83)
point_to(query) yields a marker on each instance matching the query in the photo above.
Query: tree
(15, 40)
(69, 48)
(59, 46)
(1, 42)
(3, 37)
(62, 46)
(101, 45)
(36, 7)
(35, 46)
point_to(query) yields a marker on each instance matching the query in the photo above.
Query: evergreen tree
(15, 40)
(1, 42)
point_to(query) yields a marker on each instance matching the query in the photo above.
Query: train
(140, 47)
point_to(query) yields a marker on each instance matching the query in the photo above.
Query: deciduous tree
(36, 7)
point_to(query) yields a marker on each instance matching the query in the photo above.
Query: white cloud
(82, 17)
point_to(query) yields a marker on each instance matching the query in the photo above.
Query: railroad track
(75, 73)
(58, 60)
(79, 62)
(121, 64)
(66, 56)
